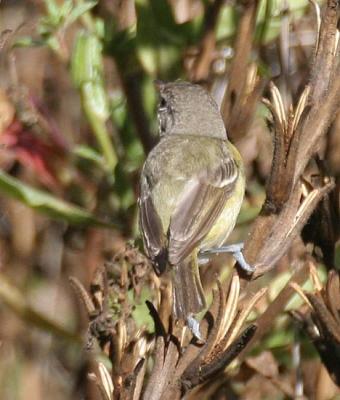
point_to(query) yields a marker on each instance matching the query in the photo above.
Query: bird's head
(188, 109)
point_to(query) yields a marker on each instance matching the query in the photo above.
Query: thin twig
(201, 67)
(237, 86)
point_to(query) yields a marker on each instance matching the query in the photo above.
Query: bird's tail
(188, 296)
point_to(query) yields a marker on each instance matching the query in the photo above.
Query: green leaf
(95, 101)
(87, 74)
(226, 23)
(88, 153)
(269, 17)
(87, 62)
(51, 7)
(159, 41)
(78, 11)
(156, 22)
(279, 338)
(141, 314)
(248, 214)
(65, 10)
(337, 257)
(46, 203)
(27, 41)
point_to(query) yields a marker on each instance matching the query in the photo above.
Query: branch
(325, 52)
(265, 321)
(316, 124)
(201, 67)
(179, 367)
(240, 100)
(131, 84)
(297, 136)
(130, 72)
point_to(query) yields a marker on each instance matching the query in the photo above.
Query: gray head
(188, 109)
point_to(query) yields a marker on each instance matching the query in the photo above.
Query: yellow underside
(226, 221)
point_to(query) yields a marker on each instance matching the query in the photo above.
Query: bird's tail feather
(188, 295)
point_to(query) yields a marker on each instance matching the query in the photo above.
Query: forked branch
(297, 134)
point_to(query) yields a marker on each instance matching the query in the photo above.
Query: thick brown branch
(316, 124)
(275, 229)
(324, 60)
(207, 371)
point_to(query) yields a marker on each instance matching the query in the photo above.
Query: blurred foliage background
(77, 118)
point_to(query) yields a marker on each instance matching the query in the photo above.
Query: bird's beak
(159, 84)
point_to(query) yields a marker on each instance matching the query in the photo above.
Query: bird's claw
(194, 327)
(236, 251)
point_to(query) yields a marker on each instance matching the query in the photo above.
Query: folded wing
(200, 204)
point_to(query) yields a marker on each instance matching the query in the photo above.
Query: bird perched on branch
(191, 190)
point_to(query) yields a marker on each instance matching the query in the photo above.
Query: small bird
(191, 190)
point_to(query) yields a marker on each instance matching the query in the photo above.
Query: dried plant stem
(326, 50)
(317, 123)
(296, 140)
(265, 321)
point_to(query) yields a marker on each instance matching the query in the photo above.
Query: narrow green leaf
(86, 62)
(51, 7)
(95, 100)
(46, 203)
(27, 41)
(87, 73)
(88, 153)
(65, 10)
(78, 11)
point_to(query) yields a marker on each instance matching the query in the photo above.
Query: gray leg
(194, 327)
(236, 251)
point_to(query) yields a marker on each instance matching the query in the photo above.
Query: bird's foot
(236, 251)
(194, 327)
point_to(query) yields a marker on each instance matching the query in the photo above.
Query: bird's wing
(199, 206)
(152, 230)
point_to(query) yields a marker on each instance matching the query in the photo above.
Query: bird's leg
(194, 327)
(235, 250)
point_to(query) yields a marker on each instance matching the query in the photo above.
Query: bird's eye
(162, 104)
